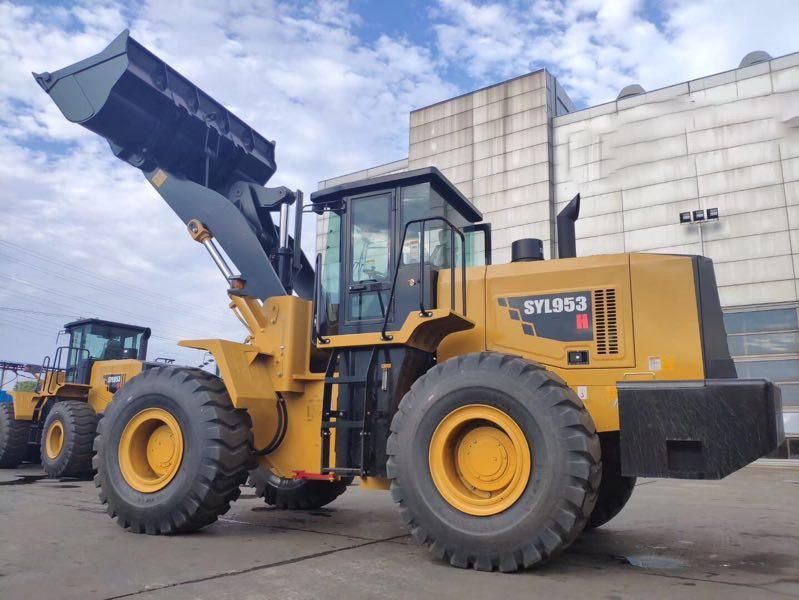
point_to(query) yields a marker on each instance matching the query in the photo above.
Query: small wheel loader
(506, 406)
(60, 417)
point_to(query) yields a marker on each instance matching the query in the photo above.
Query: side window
(330, 276)
(420, 201)
(370, 238)
(477, 250)
(370, 256)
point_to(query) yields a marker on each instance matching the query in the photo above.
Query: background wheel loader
(59, 418)
(506, 406)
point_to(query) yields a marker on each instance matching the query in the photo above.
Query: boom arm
(204, 161)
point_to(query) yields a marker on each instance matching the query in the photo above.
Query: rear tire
(13, 437)
(171, 451)
(554, 504)
(295, 494)
(68, 439)
(614, 489)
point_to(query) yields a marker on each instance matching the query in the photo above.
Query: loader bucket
(153, 117)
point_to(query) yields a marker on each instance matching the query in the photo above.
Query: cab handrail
(422, 309)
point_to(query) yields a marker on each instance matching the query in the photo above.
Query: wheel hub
(479, 460)
(150, 450)
(486, 459)
(54, 442)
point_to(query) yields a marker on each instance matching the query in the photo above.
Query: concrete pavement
(736, 538)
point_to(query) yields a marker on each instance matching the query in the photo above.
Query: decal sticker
(114, 382)
(564, 317)
(582, 392)
(655, 364)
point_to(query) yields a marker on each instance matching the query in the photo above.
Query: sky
(82, 234)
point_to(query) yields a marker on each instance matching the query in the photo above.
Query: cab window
(370, 256)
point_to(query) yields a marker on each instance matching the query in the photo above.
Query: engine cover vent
(606, 323)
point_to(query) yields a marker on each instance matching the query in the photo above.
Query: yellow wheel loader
(60, 416)
(506, 406)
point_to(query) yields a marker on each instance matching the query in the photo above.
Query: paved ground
(738, 538)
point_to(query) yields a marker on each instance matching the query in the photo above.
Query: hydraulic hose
(280, 433)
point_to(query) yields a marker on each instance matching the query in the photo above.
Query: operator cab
(91, 340)
(410, 222)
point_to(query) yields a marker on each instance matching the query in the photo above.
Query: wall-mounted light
(699, 216)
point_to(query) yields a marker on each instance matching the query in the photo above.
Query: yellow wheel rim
(150, 450)
(479, 460)
(54, 442)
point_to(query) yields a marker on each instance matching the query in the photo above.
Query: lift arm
(204, 161)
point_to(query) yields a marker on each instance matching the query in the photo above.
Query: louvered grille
(606, 325)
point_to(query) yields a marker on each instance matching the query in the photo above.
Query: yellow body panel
(275, 363)
(24, 405)
(422, 332)
(108, 376)
(644, 324)
(656, 318)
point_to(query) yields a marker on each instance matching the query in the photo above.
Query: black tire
(614, 489)
(13, 437)
(79, 425)
(295, 494)
(217, 443)
(565, 470)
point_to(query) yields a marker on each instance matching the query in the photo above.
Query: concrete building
(520, 150)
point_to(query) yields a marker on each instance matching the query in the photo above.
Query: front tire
(13, 437)
(494, 461)
(171, 451)
(295, 494)
(68, 439)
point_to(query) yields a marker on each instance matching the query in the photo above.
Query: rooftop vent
(754, 57)
(631, 90)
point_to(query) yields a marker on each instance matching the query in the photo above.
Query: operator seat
(113, 350)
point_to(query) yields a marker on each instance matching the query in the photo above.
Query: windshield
(107, 342)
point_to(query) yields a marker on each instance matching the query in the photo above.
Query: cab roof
(79, 322)
(333, 196)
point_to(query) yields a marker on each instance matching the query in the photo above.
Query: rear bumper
(703, 429)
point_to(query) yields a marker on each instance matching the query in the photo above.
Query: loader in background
(506, 406)
(59, 418)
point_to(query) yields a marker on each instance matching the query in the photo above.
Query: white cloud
(299, 75)
(596, 47)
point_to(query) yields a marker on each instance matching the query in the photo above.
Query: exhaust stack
(567, 241)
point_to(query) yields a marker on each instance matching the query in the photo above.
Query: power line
(70, 316)
(147, 293)
(27, 327)
(38, 312)
(84, 301)
(115, 292)
(188, 355)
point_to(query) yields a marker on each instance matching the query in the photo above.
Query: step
(346, 379)
(342, 424)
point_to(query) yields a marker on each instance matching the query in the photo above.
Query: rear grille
(606, 325)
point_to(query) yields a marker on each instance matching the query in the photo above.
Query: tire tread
(223, 470)
(584, 463)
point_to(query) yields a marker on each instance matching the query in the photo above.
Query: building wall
(729, 141)
(493, 144)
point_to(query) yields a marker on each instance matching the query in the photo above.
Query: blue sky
(332, 81)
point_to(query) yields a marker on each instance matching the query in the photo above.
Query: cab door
(369, 261)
